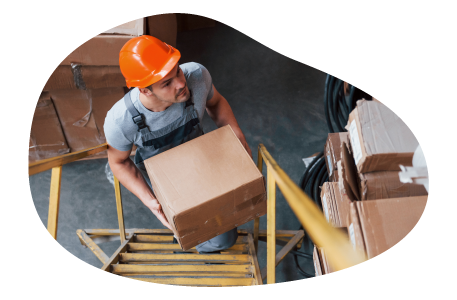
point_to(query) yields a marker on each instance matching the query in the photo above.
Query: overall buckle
(139, 121)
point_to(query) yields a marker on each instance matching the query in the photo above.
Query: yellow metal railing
(338, 248)
(56, 163)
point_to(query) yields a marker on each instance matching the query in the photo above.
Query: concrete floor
(277, 102)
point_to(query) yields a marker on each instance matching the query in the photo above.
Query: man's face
(172, 88)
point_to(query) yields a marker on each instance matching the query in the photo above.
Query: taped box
(380, 140)
(207, 186)
(333, 152)
(377, 225)
(335, 204)
(373, 185)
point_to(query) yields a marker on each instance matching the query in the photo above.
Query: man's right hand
(131, 178)
(156, 209)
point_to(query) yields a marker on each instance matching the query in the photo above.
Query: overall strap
(137, 118)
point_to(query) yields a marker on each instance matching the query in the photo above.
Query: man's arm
(220, 111)
(130, 177)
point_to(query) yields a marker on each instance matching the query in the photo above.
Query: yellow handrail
(338, 248)
(46, 164)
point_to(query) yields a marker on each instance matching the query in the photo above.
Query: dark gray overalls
(185, 128)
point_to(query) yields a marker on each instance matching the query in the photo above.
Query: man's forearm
(132, 179)
(222, 115)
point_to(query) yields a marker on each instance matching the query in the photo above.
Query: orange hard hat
(144, 60)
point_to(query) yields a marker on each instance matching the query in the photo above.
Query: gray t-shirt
(122, 133)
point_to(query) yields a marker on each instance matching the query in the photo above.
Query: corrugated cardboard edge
(355, 222)
(317, 262)
(354, 115)
(350, 177)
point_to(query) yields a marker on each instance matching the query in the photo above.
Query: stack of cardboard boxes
(365, 194)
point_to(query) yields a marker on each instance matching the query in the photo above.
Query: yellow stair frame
(149, 254)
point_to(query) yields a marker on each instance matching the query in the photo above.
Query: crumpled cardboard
(82, 114)
(46, 136)
(207, 186)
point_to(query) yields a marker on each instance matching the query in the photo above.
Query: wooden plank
(153, 239)
(120, 212)
(263, 232)
(271, 225)
(284, 251)
(115, 257)
(200, 281)
(189, 274)
(128, 231)
(159, 269)
(174, 247)
(46, 164)
(54, 201)
(92, 246)
(254, 261)
(150, 258)
(141, 238)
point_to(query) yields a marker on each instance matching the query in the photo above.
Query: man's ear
(145, 91)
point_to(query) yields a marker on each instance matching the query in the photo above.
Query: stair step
(190, 281)
(160, 269)
(174, 247)
(222, 258)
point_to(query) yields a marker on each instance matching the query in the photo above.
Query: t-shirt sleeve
(208, 82)
(114, 136)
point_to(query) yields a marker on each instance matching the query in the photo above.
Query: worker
(163, 109)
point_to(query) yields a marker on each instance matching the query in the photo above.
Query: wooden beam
(284, 251)
(120, 212)
(163, 269)
(54, 200)
(92, 246)
(200, 281)
(151, 258)
(263, 232)
(173, 247)
(46, 164)
(115, 257)
(129, 231)
(256, 233)
(254, 260)
(271, 225)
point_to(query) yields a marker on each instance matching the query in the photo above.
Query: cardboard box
(207, 186)
(433, 119)
(317, 267)
(333, 152)
(380, 140)
(82, 114)
(335, 204)
(373, 185)
(377, 225)
(46, 136)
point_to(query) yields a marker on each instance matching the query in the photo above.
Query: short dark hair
(149, 87)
